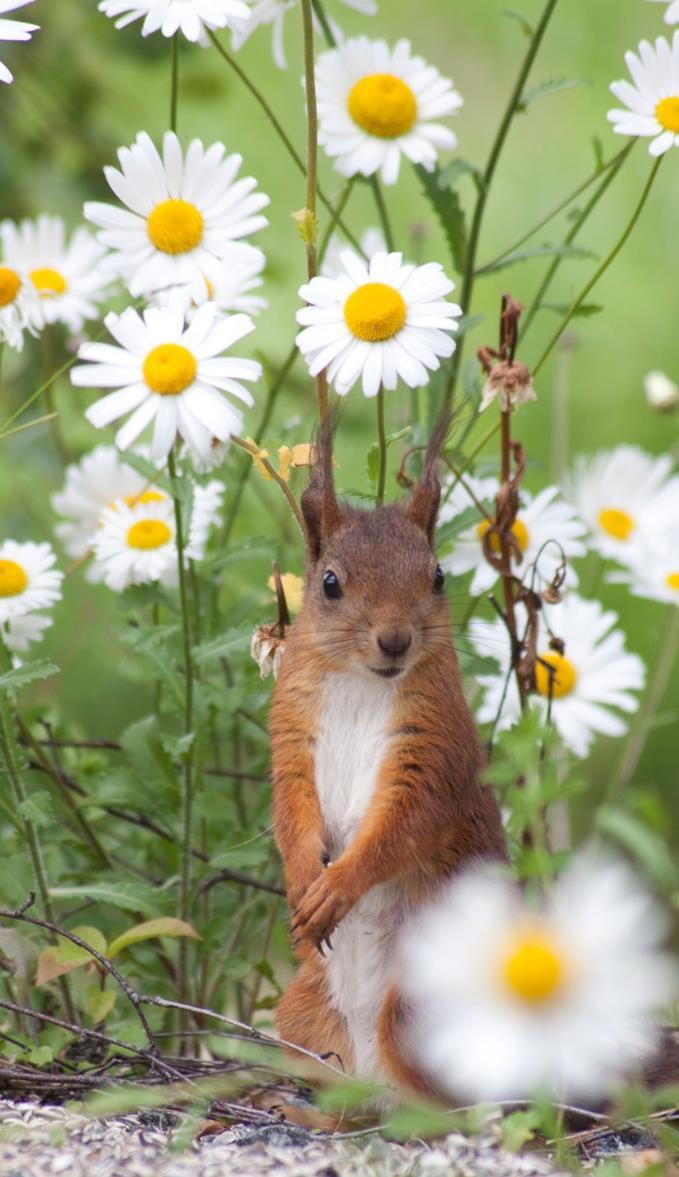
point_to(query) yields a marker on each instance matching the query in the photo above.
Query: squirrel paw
(320, 911)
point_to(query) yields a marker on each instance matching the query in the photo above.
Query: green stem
(187, 786)
(324, 23)
(174, 83)
(570, 237)
(484, 187)
(636, 742)
(613, 162)
(602, 268)
(312, 175)
(10, 751)
(382, 212)
(382, 443)
(279, 129)
(335, 216)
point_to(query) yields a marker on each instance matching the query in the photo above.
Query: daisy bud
(511, 382)
(266, 648)
(661, 392)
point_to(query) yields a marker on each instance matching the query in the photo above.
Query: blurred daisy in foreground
(190, 17)
(514, 998)
(661, 392)
(580, 687)
(376, 104)
(19, 632)
(135, 544)
(653, 570)
(28, 579)
(379, 321)
(67, 276)
(171, 375)
(20, 308)
(545, 532)
(273, 12)
(672, 14)
(183, 214)
(13, 30)
(372, 241)
(620, 495)
(653, 100)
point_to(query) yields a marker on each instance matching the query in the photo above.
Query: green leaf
(420, 1120)
(99, 1003)
(373, 455)
(227, 643)
(584, 311)
(518, 1128)
(545, 88)
(525, 25)
(62, 958)
(37, 810)
(29, 672)
(524, 255)
(40, 1056)
(454, 171)
(151, 930)
(598, 149)
(143, 746)
(446, 205)
(129, 896)
(642, 843)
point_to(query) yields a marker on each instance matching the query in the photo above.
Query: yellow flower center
(556, 682)
(616, 523)
(10, 285)
(518, 529)
(144, 496)
(175, 226)
(148, 534)
(533, 970)
(13, 579)
(48, 282)
(293, 589)
(667, 113)
(383, 105)
(375, 312)
(169, 369)
(672, 581)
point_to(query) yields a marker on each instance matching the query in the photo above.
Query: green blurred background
(82, 89)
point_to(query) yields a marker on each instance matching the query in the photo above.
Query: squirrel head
(374, 601)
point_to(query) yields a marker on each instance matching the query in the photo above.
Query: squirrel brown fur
(377, 798)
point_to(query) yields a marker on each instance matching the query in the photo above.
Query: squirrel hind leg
(393, 1036)
(305, 1017)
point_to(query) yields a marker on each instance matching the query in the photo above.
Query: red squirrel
(376, 762)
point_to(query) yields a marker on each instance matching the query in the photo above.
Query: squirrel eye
(331, 586)
(439, 579)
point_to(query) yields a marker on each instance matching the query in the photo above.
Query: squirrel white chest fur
(353, 738)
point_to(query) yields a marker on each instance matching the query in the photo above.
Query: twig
(273, 473)
(235, 876)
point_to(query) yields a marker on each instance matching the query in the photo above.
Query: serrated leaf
(150, 636)
(151, 930)
(584, 311)
(553, 86)
(524, 255)
(446, 205)
(525, 25)
(29, 672)
(143, 746)
(227, 643)
(59, 959)
(128, 896)
(452, 172)
(37, 810)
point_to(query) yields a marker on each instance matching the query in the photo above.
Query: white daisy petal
(652, 99)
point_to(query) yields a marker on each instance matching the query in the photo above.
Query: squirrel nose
(394, 644)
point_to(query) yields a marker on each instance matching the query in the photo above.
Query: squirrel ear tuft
(320, 508)
(424, 501)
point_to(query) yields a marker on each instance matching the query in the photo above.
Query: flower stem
(571, 236)
(484, 187)
(187, 785)
(275, 477)
(575, 306)
(636, 742)
(174, 83)
(279, 129)
(382, 443)
(312, 175)
(382, 212)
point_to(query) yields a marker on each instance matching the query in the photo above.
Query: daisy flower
(28, 580)
(273, 12)
(376, 104)
(653, 100)
(135, 544)
(514, 997)
(20, 308)
(19, 632)
(182, 214)
(545, 530)
(379, 321)
(372, 241)
(67, 276)
(620, 494)
(672, 15)
(578, 687)
(170, 374)
(13, 30)
(661, 392)
(190, 17)
(653, 570)
(234, 281)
